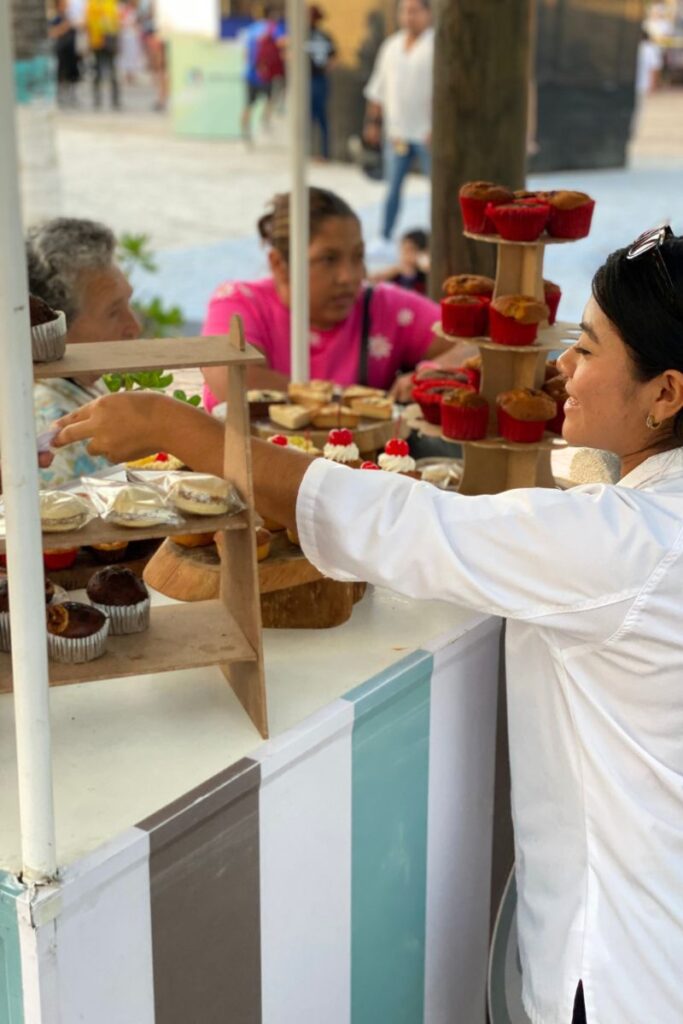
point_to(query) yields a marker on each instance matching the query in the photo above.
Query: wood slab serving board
(369, 435)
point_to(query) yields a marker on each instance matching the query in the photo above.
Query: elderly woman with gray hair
(71, 265)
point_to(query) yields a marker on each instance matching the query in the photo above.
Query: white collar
(657, 467)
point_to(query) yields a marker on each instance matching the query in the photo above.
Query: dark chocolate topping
(41, 313)
(4, 592)
(116, 585)
(81, 620)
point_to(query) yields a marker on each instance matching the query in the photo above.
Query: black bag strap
(365, 338)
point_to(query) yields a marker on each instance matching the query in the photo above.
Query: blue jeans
(396, 166)
(319, 94)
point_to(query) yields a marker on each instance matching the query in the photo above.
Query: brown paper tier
(498, 240)
(369, 435)
(561, 333)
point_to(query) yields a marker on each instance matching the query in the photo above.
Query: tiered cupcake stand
(494, 464)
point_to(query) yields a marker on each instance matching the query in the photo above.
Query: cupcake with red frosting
(474, 197)
(523, 414)
(514, 319)
(464, 415)
(342, 448)
(396, 458)
(571, 214)
(521, 221)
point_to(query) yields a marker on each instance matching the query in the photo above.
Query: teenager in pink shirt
(399, 323)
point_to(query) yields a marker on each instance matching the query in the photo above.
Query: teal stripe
(11, 997)
(389, 843)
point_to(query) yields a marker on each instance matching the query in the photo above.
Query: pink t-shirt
(400, 332)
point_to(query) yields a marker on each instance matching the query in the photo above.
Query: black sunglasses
(652, 241)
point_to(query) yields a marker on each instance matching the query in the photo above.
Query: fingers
(74, 431)
(76, 416)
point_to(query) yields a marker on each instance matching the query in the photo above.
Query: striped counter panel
(340, 875)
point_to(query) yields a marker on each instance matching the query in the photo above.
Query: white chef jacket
(591, 581)
(401, 82)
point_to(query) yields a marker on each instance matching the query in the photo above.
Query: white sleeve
(376, 89)
(521, 554)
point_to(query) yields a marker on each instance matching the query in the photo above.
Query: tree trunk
(29, 26)
(482, 66)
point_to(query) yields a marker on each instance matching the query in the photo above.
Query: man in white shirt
(399, 96)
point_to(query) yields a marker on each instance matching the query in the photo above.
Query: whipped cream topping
(341, 452)
(396, 463)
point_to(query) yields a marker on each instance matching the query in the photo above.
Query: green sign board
(207, 86)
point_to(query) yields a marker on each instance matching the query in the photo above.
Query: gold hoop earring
(651, 423)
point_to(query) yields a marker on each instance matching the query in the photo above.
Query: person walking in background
(102, 26)
(62, 31)
(264, 68)
(322, 51)
(399, 106)
(131, 54)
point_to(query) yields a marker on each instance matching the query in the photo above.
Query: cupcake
(342, 448)
(469, 284)
(5, 635)
(523, 414)
(122, 596)
(552, 293)
(112, 551)
(521, 221)
(463, 316)
(48, 331)
(263, 542)
(571, 214)
(396, 458)
(76, 632)
(429, 395)
(556, 387)
(464, 415)
(514, 319)
(474, 197)
(61, 558)
(472, 367)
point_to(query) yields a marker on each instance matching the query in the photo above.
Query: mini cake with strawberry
(162, 462)
(396, 458)
(342, 448)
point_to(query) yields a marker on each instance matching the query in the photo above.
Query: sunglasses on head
(652, 241)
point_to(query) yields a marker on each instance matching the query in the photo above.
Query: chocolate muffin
(5, 635)
(75, 632)
(40, 312)
(48, 331)
(122, 597)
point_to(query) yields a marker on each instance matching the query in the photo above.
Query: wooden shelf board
(180, 636)
(145, 354)
(99, 532)
(548, 442)
(552, 338)
(497, 240)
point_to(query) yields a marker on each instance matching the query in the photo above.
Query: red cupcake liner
(519, 223)
(552, 301)
(463, 423)
(466, 321)
(574, 223)
(430, 403)
(473, 376)
(522, 431)
(473, 214)
(507, 331)
(60, 559)
(555, 424)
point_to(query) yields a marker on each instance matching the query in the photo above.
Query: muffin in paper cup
(76, 632)
(129, 618)
(122, 596)
(48, 340)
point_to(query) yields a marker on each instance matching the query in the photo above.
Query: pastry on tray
(310, 393)
(334, 415)
(122, 597)
(291, 417)
(259, 401)
(201, 495)
(373, 407)
(162, 462)
(523, 414)
(464, 415)
(396, 458)
(355, 391)
(342, 448)
(61, 512)
(514, 319)
(76, 632)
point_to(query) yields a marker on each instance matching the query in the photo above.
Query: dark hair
(636, 298)
(418, 237)
(274, 226)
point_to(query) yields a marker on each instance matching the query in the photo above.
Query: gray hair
(58, 251)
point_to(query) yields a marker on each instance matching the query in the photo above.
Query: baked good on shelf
(259, 400)
(310, 393)
(464, 316)
(523, 220)
(556, 387)
(60, 512)
(111, 551)
(571, 213)
(122, 597)
(514, 319)
(291, 417)
(468, 284)
(76, 632)
(552, 293)
(201, 495)
(342, 448)
(373, 407)
(464, 415)
(355, 391)
(48, 331)
(474, 196)
(138, 506)
(396, 458)
(5, 634)
(303, 443)
(334, 415)
(161, 462)
(293, 536)
(263, 542)
(429, 395)
(523, 414)
(193, 540)
(59, 558)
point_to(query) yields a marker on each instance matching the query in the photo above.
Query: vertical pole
(20, 483)
(298, 104)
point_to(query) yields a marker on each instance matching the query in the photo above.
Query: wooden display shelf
(146, 354)
(99, 532)
(551, 338)
(498, 240)
(547, 443)
(180, 636)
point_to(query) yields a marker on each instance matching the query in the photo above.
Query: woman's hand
(121, 427)
(402, 388)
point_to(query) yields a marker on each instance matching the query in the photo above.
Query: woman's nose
(565, 363)
(132, 326)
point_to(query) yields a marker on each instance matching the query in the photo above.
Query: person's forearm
(260, 378)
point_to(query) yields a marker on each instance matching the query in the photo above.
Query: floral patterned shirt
(53, 398)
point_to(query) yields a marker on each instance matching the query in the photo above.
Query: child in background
(413, 263)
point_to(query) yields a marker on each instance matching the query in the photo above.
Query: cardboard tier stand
(225, 631)
(494, 464)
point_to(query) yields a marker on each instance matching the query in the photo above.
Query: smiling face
(104, 310)
(336, 259)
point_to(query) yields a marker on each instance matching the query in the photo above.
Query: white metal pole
(298, 106)
(20, 487)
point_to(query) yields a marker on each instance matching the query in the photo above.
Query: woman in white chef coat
(591, 581)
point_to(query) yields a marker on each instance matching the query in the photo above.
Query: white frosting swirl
(341, 452)
(396, 463)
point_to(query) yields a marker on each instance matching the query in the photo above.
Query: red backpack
(269, 62)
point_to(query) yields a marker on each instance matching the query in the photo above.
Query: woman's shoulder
(245, 292)
(402, 304)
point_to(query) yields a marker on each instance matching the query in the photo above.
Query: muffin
(464, 316)
(76, 632)
(552, 293)
(514, 319)
(571, 214)
(112, 551)
(263, 542)
(429, 395)
(5, 634)
(464, 415)
(468, 284)
(59, 558)
(396, 458)
(556, 387)
(523, 414)
(342, 448)
(474, 197)
(48, 331)
(521, 221)
(122, 596)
